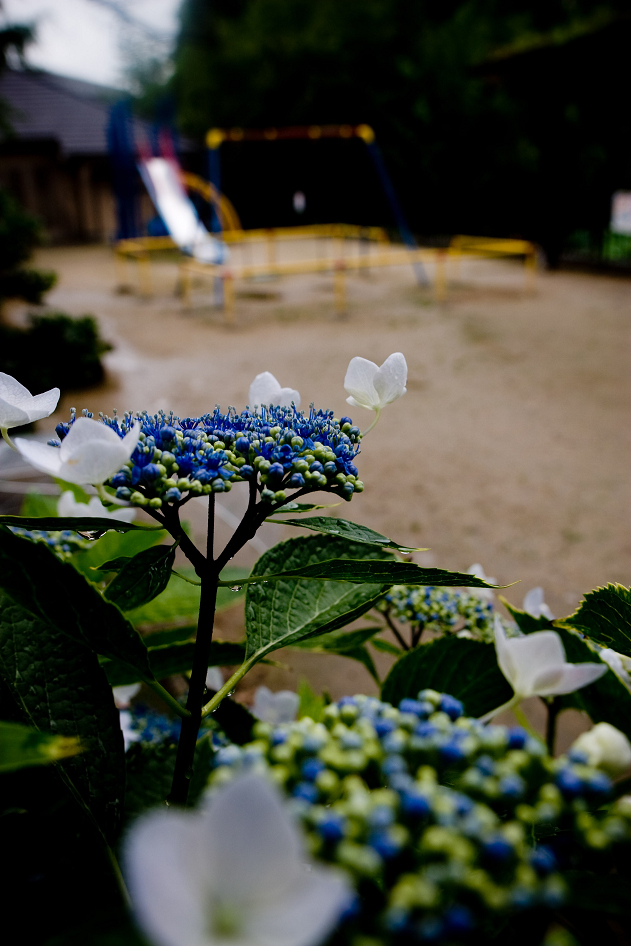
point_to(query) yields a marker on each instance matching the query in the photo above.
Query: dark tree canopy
(497, 116)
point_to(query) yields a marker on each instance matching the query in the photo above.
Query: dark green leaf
(302, 507)
(62, 690)
(340, 641)
(336, 566)
(607, 700)
(524, 621)
(174, 658)
(73, 524)
(386, 647)
(179, 602)
(346, 530)
(463, 668)
(114, 565)
(346, 644)
(21, 746)
(605, 615)
(58, 594)
(111, 546)
(288, 610)
(143, 578)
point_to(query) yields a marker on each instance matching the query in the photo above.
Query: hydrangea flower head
(279, 448)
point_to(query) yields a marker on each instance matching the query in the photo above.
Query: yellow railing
(339, 262)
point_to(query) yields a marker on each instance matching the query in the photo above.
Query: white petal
(353, 402)
(263, 390)
(84, 431)
(123, 694)
(11, 415)
(614, 661)
(572, 677)
(251, 847)
(67, 506)
(531, 655)
(40, 455)
(42, 405)
(391, 378)
(533, 601)
(285, 398)
(477, 570)
(11, 390)
(546, 612)
(164, 867)
(131, 438)
(504, 658)
(214, 678)
(263, 703)
(305, 915)
(93, 462)
(359, 382)
(275, 708)
(96, 509)
(287, 703)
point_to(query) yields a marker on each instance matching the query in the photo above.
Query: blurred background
(503, 120)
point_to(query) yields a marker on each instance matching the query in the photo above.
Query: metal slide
(161, 177)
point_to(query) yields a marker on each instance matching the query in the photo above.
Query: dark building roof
(49, 107)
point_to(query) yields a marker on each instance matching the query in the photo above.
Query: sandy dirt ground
(511, 447)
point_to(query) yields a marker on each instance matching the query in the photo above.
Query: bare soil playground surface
(511, 447)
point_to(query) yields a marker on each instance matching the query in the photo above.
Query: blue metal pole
(214, 176)
(406, 234)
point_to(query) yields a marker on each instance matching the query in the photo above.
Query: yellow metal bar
(144, 275)
(340, 289)
(440, 276)
(228, 297)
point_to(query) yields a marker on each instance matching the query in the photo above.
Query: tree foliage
(488, 115)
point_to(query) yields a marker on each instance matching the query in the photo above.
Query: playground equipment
(370, 251)
(339, 248)
(161, 177)
(217, 136)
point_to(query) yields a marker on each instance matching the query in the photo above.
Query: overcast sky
(82, 38)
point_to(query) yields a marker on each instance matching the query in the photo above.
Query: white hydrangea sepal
(18, 406)
(233, 870)
(266, 391)
(534, 604)
(606, 748)
(275, 708)
(69, 508)
(90, 453)
(535, 665)
(373, 387)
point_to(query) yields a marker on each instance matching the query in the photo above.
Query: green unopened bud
(267, 496)
(155, 503)
(183, 483)
(280, 496)
(162, 468)
(359, 486)
(297, 442)
(138, 499)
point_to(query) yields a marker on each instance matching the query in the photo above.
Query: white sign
(621, 212)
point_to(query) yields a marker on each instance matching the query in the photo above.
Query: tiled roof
(47, 107)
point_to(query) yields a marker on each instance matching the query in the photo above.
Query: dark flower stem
(553, 706)
(395, 630)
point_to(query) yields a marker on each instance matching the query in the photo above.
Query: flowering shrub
(444, 825)
(423, 823)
